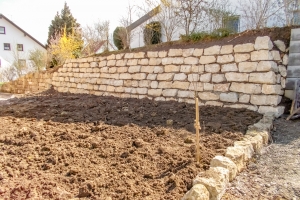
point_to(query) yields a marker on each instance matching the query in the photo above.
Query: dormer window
(2, 30)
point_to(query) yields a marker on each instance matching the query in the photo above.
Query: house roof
(25, 33)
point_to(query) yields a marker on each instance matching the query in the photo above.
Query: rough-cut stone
(214, 50)
(277, 111)
(197, 68)
(267, 66)
(198, 192)
(154, 84)
(225, 59)
(196, 87)
(185, 94)
(282, 70)
(242, 106)
(155, 61)
(267, 78)
(121, 63)
(227, 49)
(185, 68)
(178, 60)
(212, 68)
(221, 87)
(175, 52)
(229, 67)
(139, 76)
(162, 54)
(240, 77)
(208, 86)
(119, 56)
(193, 77)
(180, 85)
(231, 97)
(261, 55)
(111, 57)
(143, 61)
(280, 45)
(191, 61)
(241, 57)
(206, 96)
(263, 43)
(151, 76)
(247, 148)
(215, 180)
(214, 103)
(152, 54)
(172, 68)
(158, 69)
(276, 55)
(272, 100)
(165, 77)
(170, 92)
(132, 62)
(139, 55)
(167, 61)
(244, 98)
(272, 89)
(165, 84)
(144, 83)
(285, 59)
(243, 48)
(187, 52)
(237, 155)
(180, 77)
(147, 69)
(205, 78)
(221, 161)
(134, 69)
(198, 52)
(142, 90)
(247, 66)
(207, 59)
(218, 78)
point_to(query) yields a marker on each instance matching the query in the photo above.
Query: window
(22, 63)
(20, 47)
(7, 46)
(2, 30)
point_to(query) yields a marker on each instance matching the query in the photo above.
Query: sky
(35, 16)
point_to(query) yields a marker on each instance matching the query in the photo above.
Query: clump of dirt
(62, 146)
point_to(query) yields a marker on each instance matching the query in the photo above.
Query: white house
(15, 44)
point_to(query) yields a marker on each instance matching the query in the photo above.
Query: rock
(229, 67)
(221, 161)
(263, 43)
(261, 55)
(237, 155)
(138, 143)
(246, 88)
(260, 100)
(280, 45)
(169, 122)
(247, 66)
(207, 59)
(268, 77)
(227, 49)
(198, 192)
(229, 97)
(175, 52)
(243, 48)
(214, 50)
(247, 148)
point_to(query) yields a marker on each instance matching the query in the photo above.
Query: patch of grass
(204, 36)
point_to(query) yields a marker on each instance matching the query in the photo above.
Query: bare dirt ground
(275, 173)
(64, 146)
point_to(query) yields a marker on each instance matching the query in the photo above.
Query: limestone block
(139, 55)
(132, 62)
(175, 52)
(125, 76)
(180, 77)
(197, 68)
(147, 69)
(221, 161)
(263, 43)
(94, 64)
(155, 61)
(255, 141)
(282, 70)
(110, 88)
(121, 63)
(111, 57)
(227, 49)
(198, 192)
(267, 78)
(207, 59)
(285, 59)
(122, 69)
(151, 77)
(225, 59)
(267, 66)
(238, 77)
(198, 52)
(276, 55)
(155, 92)
(206, 96)
(177, 60)
(143, 61)
(231, 97)
(160, 99)
(131, 83)
(261, 55)
(229, 67)
(165, 84)
(162, 54)
(263, 133)
(247, 66)
(120, 89)
(167, 61)
(119, 56)
(208, 86)
(169, 92)
(243, 48)
(154, 84)
(158, 69)
(185, 68)
(214, 50)
(221, 87)
(272, 100)
(247, 148)
(134, 69)
(112, 70)
(196, 86)
(280, 45)
(237, 155)
(218, 78)
(193, 77)
(215, 180)
(214, 103)
(165, 77)
(187, 52)
(278, 111)
(111, 63)
(185, 94)
(172, 68)
(82, 70)
(283, 84)
(191, 61)
(152, 54)
(180, 85)
(212, 68)
(139, 76)
(144, 83)
(205, 78)
(272, 89)
(244, 98)
(142, 90)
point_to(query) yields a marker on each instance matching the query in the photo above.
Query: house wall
(14, 36)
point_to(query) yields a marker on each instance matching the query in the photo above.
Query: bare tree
(8, 74)
(288, 7)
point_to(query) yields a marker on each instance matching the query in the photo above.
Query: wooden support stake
(198, 128)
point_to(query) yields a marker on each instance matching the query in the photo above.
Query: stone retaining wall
(248, 75)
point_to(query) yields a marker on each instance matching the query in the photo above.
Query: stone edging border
(211, 184)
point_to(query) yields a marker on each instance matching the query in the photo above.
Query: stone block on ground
(221, 161)
(237, 155)
(198, 192)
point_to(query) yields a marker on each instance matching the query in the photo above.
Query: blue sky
(35, 16)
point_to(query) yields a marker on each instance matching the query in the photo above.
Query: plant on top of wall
(152, 33)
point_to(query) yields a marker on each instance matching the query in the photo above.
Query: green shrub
(200, 36)
(118, 35)
(152, 33)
